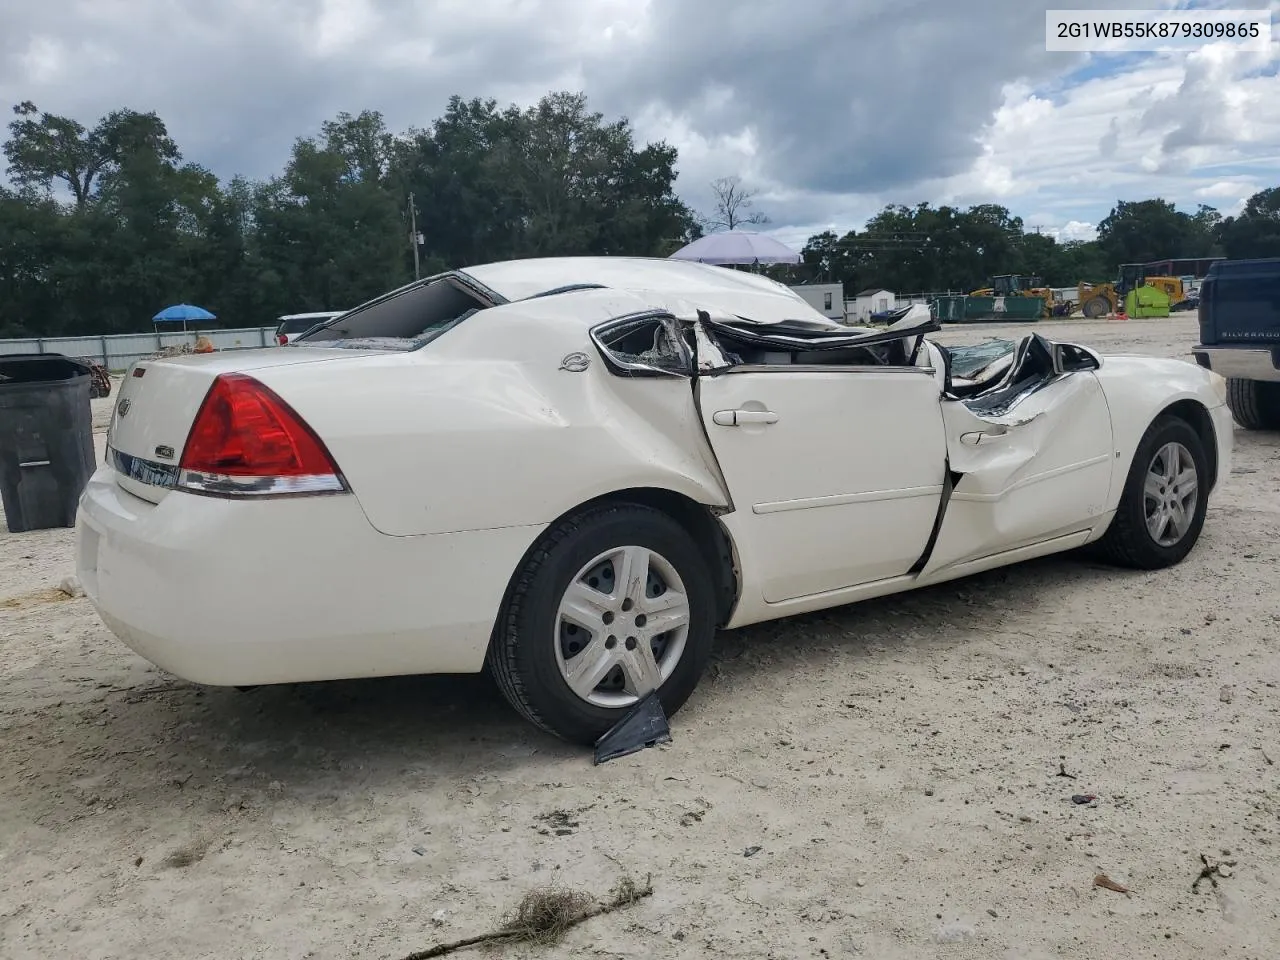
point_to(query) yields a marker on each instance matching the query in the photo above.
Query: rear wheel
(614, 603)
(1161, 510)
(1255, 404)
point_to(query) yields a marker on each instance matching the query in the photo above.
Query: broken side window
(649, 344)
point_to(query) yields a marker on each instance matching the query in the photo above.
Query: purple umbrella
(736, 246)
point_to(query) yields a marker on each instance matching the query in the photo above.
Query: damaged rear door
(1030, 459)
(834, 457)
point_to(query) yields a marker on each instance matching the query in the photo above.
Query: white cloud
(1168, 126)
(1228, 189)
(1076, 230)
(43, 59)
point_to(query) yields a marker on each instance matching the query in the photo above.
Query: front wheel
(612, 604)
(1161, 510)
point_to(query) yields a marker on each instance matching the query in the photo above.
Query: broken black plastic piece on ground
(645, 725)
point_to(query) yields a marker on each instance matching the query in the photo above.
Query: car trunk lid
(158, 401)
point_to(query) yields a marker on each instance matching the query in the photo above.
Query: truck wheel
(1161, 510)
(1095, 308)
(1254, 403)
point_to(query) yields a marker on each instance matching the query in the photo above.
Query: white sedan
(574, 471)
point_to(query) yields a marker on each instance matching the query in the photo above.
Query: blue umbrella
(183, 312)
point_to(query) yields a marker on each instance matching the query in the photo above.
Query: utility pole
(415, 238)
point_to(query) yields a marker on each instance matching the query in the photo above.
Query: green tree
(1083, 260)
(928, 249)
(1256, 231)
(1146, 230)
(554, 179)
(44, 148)
(328, 231)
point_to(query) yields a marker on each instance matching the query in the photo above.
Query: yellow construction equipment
(1172, 287)
(1014, 285)
(1138, 294)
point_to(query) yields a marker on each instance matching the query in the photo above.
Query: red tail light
(246, 441)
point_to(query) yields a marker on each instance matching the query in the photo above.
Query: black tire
(1255, 404)
(522, 652)
(1096, 307)
(1127, 541)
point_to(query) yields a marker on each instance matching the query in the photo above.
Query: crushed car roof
(661, 281)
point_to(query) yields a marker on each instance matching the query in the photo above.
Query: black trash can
(46, 439)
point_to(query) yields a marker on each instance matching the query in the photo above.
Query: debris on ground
(100, 384)
(544, 915)
(1106, 883)
(561, 823)
(1062, 772)
(185, 856)
(33, 599)
(955, 933)
(1083, 798)
(1227, 693)
(690, 817)
(751, 851)
(1211, 872)
(71, 586)
(174, 350)
(645, 725)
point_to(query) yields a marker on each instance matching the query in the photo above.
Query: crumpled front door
(1037, 468)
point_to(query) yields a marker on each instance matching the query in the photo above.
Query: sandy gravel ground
(894, 762)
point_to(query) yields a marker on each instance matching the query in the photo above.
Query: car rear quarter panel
(482, 428)
(1138, 389)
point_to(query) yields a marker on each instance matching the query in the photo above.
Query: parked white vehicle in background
(576, 470)
(293, 325)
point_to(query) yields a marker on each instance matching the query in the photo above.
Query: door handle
(979, 437)
(735, 418)
(997, 430)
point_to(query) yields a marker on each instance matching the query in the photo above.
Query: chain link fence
(117, 351)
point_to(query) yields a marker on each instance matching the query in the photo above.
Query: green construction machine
(1136, 293)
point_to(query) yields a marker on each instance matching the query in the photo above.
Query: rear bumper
(284, 591)
(1240, 363)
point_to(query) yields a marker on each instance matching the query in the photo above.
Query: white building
(826, 298)
(867, 302)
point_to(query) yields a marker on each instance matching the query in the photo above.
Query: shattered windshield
(969, 360)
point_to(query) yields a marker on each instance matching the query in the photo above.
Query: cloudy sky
(829, 108)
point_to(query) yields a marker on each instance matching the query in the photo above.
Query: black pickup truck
(1240, 337)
